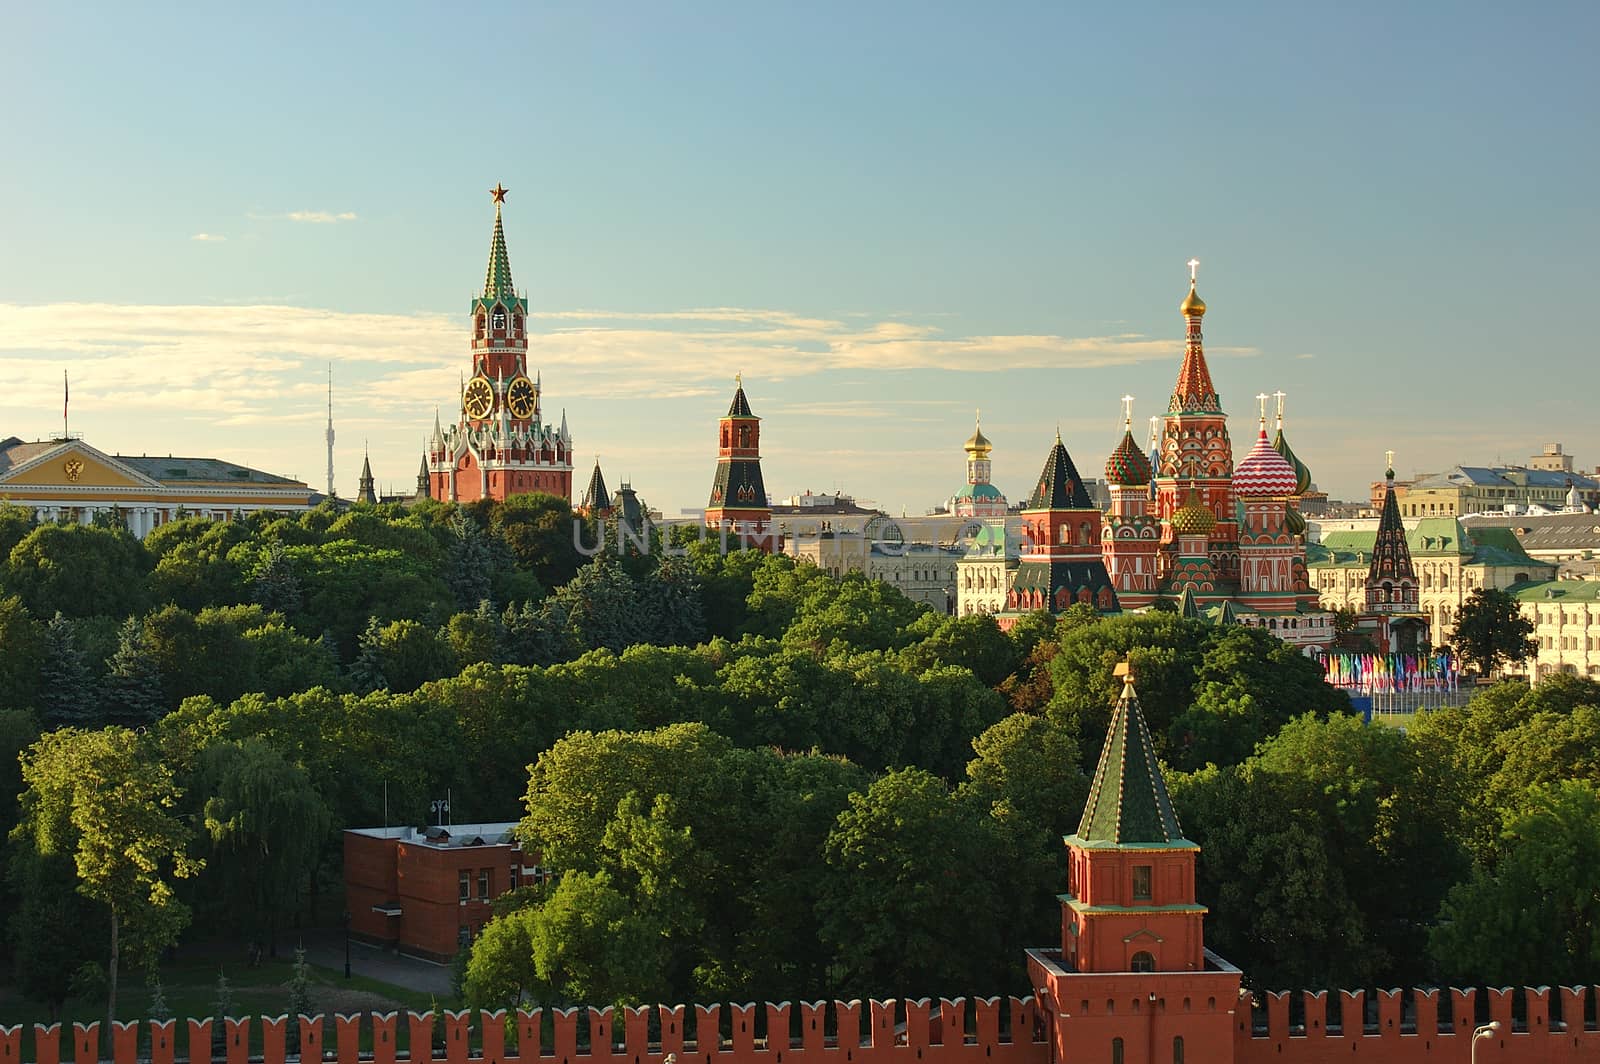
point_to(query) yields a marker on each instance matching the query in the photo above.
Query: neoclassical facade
(69, 480)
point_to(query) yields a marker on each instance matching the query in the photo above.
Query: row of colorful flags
(1385, 673)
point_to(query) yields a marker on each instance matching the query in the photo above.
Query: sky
(886, 216)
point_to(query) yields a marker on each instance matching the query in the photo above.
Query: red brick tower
(738, 504)
(499, 445)
(1061, 564)
(1132, 982)
(1196, 456)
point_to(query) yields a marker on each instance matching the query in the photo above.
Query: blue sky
(884, 215)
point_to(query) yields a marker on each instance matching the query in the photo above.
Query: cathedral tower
(1196, 456)
(1263, 484)
(500, 445)
(978, 497)
(738, 503)
(1130, 540)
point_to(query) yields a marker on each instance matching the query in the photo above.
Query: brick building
(428, 892)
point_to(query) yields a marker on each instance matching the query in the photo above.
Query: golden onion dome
(1193, 306)
(1193, 518)
(978, 443)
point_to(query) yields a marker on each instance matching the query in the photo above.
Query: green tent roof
(1128, 803)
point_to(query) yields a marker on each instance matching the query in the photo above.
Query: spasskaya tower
(499, 445)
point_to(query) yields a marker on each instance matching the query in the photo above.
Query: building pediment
(72, 464)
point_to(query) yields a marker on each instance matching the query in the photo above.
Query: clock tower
(499, 445)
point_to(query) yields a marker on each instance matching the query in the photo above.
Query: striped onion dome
(1128, 466)
(1193, 518)
(1294, 521)
(1263, 473)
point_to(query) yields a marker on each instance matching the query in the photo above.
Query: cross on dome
(1280, 397)
(1262, 399)
(1194, 268)
(1127, 412)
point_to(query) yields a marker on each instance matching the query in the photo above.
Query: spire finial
(977, 417)
(499, 193)
(1194, 270)
(1127, 413)
(1388, 457)
(1262, 398)
(738, 380)
(1280, 397)
(1155, 429)
(1058, 432)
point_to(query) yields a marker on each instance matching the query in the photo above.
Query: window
(464, 884)
(483, 884)
(1177, 1050)
(1141, 882)
(1116, 1051)
(1143, 962)
(463, 936)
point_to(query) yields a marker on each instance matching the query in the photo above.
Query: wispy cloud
(209, 238)
(321, 217)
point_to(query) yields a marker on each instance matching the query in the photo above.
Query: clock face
(478, 399)
(520, 397)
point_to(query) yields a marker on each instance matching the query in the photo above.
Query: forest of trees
(751, 779)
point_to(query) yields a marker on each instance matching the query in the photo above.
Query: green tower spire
(1128, 803)
(497, 279)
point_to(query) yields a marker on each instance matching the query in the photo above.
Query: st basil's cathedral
(1187, 529)
(499, 445)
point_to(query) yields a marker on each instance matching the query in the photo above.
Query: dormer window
(480, 326)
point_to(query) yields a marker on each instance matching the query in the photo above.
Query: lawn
(191, 991)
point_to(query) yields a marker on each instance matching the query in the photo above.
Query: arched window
(1143, 962)
(1177, 1050)
(744, 435)
(1116, 1051)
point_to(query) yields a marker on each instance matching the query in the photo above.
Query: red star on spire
(499, 193)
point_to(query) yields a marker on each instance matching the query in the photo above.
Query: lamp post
(1486, 1031)
(347, 943)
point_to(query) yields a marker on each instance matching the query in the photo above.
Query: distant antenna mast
(330, 430)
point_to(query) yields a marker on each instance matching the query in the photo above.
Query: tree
(299, 993)
(66, 694)
(469, 566)
(276, 587)
(538, 531)
(131, 693)
(1491, 631)
(105, 799)
(1535, 917)
(79, 570)
(266, 825)
(908, 901)
(54, 929)
(26, 652)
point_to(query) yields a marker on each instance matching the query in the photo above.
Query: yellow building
(1451, 563)
(68, 480)
(1566, 624)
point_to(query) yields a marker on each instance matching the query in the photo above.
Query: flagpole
(66, 399)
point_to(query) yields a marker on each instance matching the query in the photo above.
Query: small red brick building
(427, 891)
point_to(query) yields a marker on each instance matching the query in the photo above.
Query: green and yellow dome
(1193, 518)
(1128, 466)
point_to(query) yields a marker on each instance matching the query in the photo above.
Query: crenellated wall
(893, 1033)
(1416, 1026)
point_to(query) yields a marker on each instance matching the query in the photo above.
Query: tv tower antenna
(330, 430)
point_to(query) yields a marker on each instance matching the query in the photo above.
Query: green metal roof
(1128, 803)
(979, 491)
(1556, 591)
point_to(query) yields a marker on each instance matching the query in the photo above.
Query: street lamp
(347, 943)
(1486, 1031)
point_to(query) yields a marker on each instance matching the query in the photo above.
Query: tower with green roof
(1130, 902)
(1060, 564)
(500, 445)
(978, 497)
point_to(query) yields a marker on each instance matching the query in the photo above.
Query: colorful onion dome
(1193, 518)
(1193, 306)
(1294, 521)
(1263, 473)
(1128, 466)
(1302, 475)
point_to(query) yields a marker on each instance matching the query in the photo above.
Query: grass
(191, 991)
(1394, 720)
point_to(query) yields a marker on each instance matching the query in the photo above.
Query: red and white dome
(1264, 473)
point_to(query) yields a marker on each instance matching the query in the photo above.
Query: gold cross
(1194, 266)
(1388, 457)
(1280, 397)
(1127, 411)
(1262, 399)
